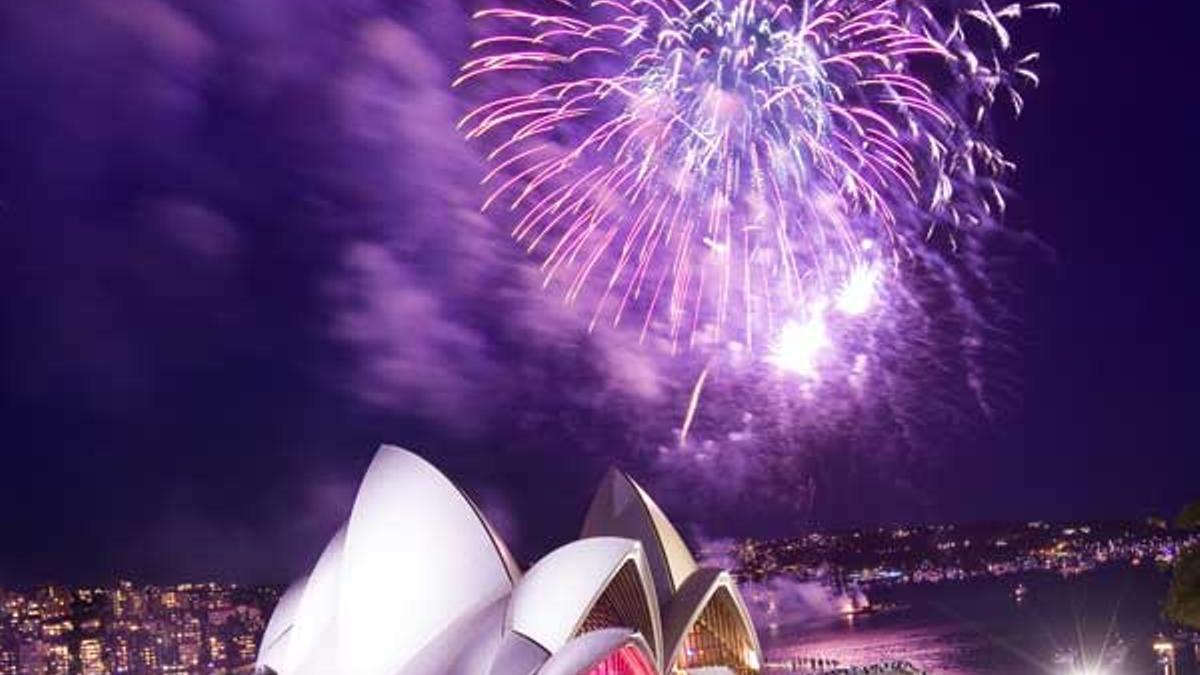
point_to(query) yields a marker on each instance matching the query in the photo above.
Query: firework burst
(738, 171)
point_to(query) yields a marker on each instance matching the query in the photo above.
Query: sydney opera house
(418, 582)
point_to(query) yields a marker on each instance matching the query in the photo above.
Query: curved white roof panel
(317, 612)
(517, 655)
(417, 556)
(273, 648)
(554, 598)
(621, 508)
(506, 556)
(467, 647)
(589, 649)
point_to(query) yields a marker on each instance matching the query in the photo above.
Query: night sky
(240, 249)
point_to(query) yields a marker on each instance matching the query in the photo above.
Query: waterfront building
(10, 653)
(419, 583)
(91, 657)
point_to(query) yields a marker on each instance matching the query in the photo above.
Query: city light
(185, 628)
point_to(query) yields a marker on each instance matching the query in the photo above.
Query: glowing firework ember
(734, 170)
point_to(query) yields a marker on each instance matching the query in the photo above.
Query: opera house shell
(417, 582)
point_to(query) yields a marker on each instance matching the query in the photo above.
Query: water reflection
(1102, 623)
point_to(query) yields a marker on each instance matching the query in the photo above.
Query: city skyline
(1148, 540)
(127, 628)
(147, 629)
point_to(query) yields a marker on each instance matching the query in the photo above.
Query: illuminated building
(190, 643)
(216, 650)
(10, 654)
(127, 602)
(58, 659)
(246, 647)
(91, 657)
(122, 658)
(55, 602)
(147, 656)
(418, 582)
(169, 599)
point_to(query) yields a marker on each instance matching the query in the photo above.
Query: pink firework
(739, 171)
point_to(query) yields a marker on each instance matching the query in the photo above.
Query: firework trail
(742, 172)
(689, 415)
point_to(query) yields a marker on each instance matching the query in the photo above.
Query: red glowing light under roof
(628, 660)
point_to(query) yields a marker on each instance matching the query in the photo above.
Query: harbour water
(1106, 620)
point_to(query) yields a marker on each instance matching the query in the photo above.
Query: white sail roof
(691, 600)
(272, 650)
(418, 583)
(468, 647)
(621, 508)
(554, 597)
(316, 614)
(585, 651)
(417, 556)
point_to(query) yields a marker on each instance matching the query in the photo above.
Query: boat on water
(1020, 592)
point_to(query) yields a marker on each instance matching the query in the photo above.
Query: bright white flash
(799, 345)
(858, 295)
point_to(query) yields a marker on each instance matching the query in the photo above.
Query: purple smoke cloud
(248, 249)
